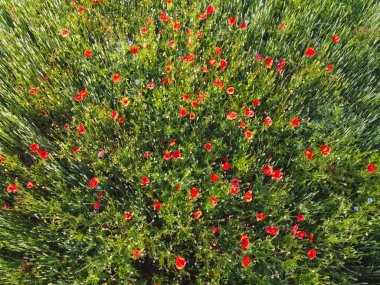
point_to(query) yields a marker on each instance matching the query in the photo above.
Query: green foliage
(51, 233)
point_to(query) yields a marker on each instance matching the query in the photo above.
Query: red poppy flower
(335, 38)
(210, 9)
(325, 149)
(329, 67)
(143, 30)
(197, 214)
(81, 95)
(256, 102)
(135, 253)
(34, 147)
(268, 121)
(281, 63)
(147, 154)
(300, 217)
(214, 229)
(81, 129)
(33, 90)
(202, 16)
(182, 112)
(234, 189)
(127, 216)
(167, 155)
(212, 62)
(144, 181)
(171, 43)
(29, 184)
(2, 159)
(192, 116)
(248, 196)
(150, 86)
(242, 125)
(226, 166)
(5, 207)
(277, 175)
(189, 58)
(186, 97)
(12, 188)
(371, 168)
(176, 154)
(246, 261)
(309, 153)
(94, 182)
(230, 90)
(176, 25)
(272, 230)
(260, 216)
(116, 78)
(295, 122)
(194, 104)
(193, 193)
(218, 50)
(208, 146)
(180, 262)
(213, 201)
(214, 177)
(121, 120)
(294, 229)
(244, 242)
(219, 83)
(231, 21)
(223, 64)
(282, 26)
(248, 112)
(164, 18)
(231, 115)
(312, 253)
(99, 194)
(243, 25)
(134, 49)
(172, 142)
(43, 154)
(96, 205)
(64, 32)
(157, 205)
(269, 62)
(310, 52)
(268, 170)
(235, 181)
(87, 53)
(248, 134)
(114, 115)
(301, 235)
(311, 237)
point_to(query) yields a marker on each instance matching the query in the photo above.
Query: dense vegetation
(189, 142)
